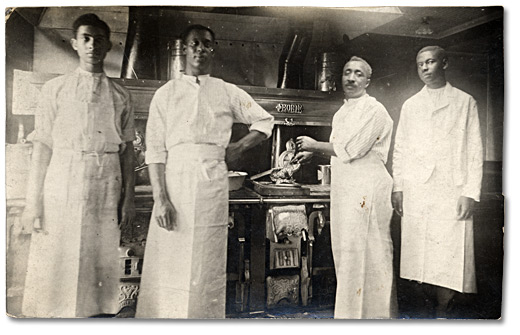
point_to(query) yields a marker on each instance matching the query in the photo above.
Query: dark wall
(19, 43)
(475, 66)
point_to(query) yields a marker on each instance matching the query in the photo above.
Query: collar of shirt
(196, 79)
(436, 91)
(354, 101)
(89, 82)
(82, 72)
(437, 95)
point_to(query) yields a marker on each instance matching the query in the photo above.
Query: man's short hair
(90, 19)
(359, 59)
(437, 49)
(193, 27)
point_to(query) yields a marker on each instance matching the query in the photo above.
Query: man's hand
(305, 143)
(397, 202)
(29, 217)
(465, 208)
(302, 157)
(233, 152)
(127, 214)
(165, 214)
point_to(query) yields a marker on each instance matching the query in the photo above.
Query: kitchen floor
(407, 310)
(464, 307)
(288, 313)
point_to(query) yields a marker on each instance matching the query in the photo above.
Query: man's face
(430, 68)
(355, 79)
(91, 44)
(199, 52)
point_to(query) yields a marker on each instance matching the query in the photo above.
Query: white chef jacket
(422, 125)
(437, 159)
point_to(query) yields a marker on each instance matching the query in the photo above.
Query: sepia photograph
(203, 162)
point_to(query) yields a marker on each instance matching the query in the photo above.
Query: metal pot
(324, 174)
(329, 68)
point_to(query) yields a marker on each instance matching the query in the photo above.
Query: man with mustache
(187, 141)
(360, 199)
(437, 168)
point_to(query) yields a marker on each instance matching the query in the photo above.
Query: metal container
(329, 68)
(324, 174)
(236, 179)
(177, 59)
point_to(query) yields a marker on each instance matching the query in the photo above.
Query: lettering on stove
(290, 108)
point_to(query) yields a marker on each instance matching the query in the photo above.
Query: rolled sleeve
(264, 126)
(354, 139)
(341, 152)
(127, 122)
(156, 134)
(246, 110)
(155, 157)
(398, 186)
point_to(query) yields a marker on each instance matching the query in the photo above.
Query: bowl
(236, 179)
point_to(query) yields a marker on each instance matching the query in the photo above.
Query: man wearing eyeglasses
(187, 139)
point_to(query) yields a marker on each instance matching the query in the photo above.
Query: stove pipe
(141, 55)
(293, 57)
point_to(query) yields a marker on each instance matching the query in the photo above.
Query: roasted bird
(284, 174)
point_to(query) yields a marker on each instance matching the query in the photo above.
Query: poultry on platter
(284, 173)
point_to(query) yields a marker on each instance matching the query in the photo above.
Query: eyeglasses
(207, 45)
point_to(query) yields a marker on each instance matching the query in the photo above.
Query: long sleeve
(127, 121)
(474, 154)
(399, 148)
(45, 116)
(358, 134)
(245, 110)
(156, 132)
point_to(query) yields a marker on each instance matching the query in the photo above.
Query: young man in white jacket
(437, 170)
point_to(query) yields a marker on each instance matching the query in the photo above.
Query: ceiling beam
(470, 24)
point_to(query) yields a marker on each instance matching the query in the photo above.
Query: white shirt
(183, 111)
(359, 126)
(80, 108)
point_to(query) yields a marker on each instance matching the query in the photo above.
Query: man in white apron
(187, 140)
(437, 167)
(360, 199)
(82, 160)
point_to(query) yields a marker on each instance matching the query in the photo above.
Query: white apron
(436, 248)
(184, 271)
(73, 265)
(360, 237)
